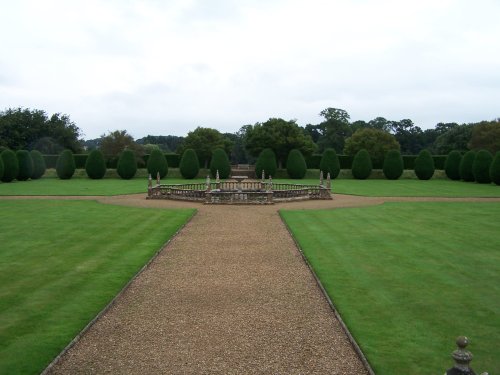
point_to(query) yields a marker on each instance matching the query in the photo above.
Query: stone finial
(328, 181)
(217, 180)
(208, 184)
(270, 183)
(320, 178)
(462, 359)
(150, 181)
(158, 178)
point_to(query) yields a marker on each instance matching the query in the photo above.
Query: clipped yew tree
(393, 165)
(361, 165)
(25, 165)
(95, 165)
(189, 165)
(10, 165)
(424, 165)
(452, 165)
(266, 162)
(220, 162)
(495, 169)
(65, 165)
(481, 167)
(127, 165)
(39, 166)
(1, 167)
(296, 164)
(466, 166)
(330, 163)
(157, 163)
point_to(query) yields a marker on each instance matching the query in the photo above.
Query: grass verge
(408, 278)
(61, 262)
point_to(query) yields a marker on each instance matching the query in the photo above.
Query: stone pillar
(158, 178)
(462, 359)
(270, 187)
(328, 182)
(263, 181)
(208, 184)
(320, 178)
(217, 180)
(150, 186)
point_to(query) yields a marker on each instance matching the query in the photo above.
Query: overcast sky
(165, 67)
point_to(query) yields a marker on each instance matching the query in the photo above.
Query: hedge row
(111, 162)
(346, 161)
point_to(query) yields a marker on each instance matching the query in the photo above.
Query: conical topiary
(157, 163)
(296, 164)
(466, 166)
(361, 165)
(25, 165)
(220, 162)
(127, 165)
(393, 165)
(266, 162)
(65, 165)
(481, 167)
(495, 169)
(424, 165)
(95, 165)
(330, 163)
(38, 164)
(10, 165)
(452, 165)
(189, 165)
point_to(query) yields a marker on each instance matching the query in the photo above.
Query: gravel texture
(229, 295)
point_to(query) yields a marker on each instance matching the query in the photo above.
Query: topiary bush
(495, 169)
(10, 165)
(393, 165)
(1, 167)
(481, 167)
(220, 162)
(157, 163)
(424, 165)
(330, 163)
(361, 165)
(95, 165)
(38, 164)
(25, 165)
(189, 165)
(466, 166)
(452, 165)
(296, 164)
(65, 166)
(127, 165)
(266, 162)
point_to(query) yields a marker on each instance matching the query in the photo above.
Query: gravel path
(229, 295)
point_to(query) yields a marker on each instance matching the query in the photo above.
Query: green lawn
(408, 278)
(61, 262)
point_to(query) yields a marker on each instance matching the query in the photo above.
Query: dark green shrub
(466, 166)
(173, 160)
(296, 164)
(495, 169)
(361, 165)
(481, 166)
(157, 163)
(1, 167)
(220, 162)
(25, 165)
(452, 165)
(266, 162)
(189, 165)
(424, 165)
(65, 166)
(80, 160)
(10, 165)
(312, 161)
(127, 165)
(393, 165)
(38, 164)
(95, 165)
(330, 163)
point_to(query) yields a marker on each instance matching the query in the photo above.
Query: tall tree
(408, 135)
(167, 143)
(335, 129)
(376, 142)
(204, 141)
(115, 142)
(456, 138)
(486, 135)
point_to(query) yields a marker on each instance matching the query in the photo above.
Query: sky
(155, 67)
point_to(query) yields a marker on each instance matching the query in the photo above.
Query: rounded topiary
(266, 162)
(127, 165)
(157, 163)
(330, 163)
(452, 165)
(466, 166)
(296, 164)
(10, 165)
(393, 165)
(38, 164)
(65, 165)
(95, 165)
(25, 165)
(361, 165)
(424, 165)
(495, 169)
(220, 162)
(481, 167)
(189, 165)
